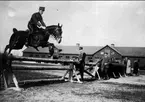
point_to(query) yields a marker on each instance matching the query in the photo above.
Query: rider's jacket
(35, 18)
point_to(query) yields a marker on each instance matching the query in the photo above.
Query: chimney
(78, 44)
(112, 45)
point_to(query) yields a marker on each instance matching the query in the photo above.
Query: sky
(90, 23)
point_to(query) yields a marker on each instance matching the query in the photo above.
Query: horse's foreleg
(9, 50)
(51, 49)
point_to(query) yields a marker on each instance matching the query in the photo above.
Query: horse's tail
(8, 46)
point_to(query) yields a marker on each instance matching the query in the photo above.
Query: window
(101, 53)
(31, 55)
(112, 53)
(43, 56)
(67, 57)
(74, 57)
(97, 57)
(89, 58)
(60, 56)
(36, 55)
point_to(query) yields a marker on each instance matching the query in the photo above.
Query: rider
(36, 21)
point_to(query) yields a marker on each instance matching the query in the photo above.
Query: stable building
(93, 53)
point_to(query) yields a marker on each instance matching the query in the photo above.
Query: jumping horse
(37, 39)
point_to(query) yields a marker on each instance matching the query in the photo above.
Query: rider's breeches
(32, 27)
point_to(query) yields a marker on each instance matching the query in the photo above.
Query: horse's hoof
(80, 82)
(71, 81)
(66, 80)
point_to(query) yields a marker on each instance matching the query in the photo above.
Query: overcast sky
(90, 23)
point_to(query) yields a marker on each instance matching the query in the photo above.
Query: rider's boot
(28, 39)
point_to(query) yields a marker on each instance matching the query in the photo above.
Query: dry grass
(128, 89)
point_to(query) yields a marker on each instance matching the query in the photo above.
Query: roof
(90, 50)
(66, 49)
(128, 51)
(74, 49)
(131, 51)
(109, 47)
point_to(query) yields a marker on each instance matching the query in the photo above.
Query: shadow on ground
(39, 78)
(126, 92)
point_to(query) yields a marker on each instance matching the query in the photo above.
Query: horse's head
(55, 31)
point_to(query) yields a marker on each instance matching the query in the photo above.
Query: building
(93, 52)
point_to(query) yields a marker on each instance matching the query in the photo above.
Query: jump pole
(11, 58)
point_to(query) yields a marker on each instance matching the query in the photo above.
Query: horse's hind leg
(51, 49)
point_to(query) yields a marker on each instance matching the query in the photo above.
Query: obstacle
(39, 68)
(8, 65)
(11, 57)
(18, 63)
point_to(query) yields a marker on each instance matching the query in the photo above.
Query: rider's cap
(42, 8)
(80, 48)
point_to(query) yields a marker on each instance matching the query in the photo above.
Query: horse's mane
(16, 30)
(51, 26)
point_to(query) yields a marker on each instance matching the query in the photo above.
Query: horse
(37, 39)
(114, 70)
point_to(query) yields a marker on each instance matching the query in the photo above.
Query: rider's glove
(43, 27)
(39, 24)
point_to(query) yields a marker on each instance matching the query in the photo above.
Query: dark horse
(38, 39)
(114, 70)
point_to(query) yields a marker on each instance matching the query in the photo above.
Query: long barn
(93, 53)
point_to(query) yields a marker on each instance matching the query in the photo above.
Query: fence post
(71, 72)
(3, 68)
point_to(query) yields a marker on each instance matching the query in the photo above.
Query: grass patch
(30, 75)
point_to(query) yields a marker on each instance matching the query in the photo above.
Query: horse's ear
(15, 30)
(58, 24)
(61, 25)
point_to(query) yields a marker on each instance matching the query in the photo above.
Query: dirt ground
(125, 89)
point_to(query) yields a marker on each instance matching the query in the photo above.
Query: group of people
(121, 68)
(131, 68)
(105, 67)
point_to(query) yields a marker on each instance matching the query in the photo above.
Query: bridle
(54, 32)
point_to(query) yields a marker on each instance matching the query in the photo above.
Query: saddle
(32, 39)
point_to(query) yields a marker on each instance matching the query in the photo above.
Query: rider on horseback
(36, 22)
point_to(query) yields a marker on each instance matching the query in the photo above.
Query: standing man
(136, 67)
(105, 66)
(81, 58)
(128, 69)
(125, 64)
